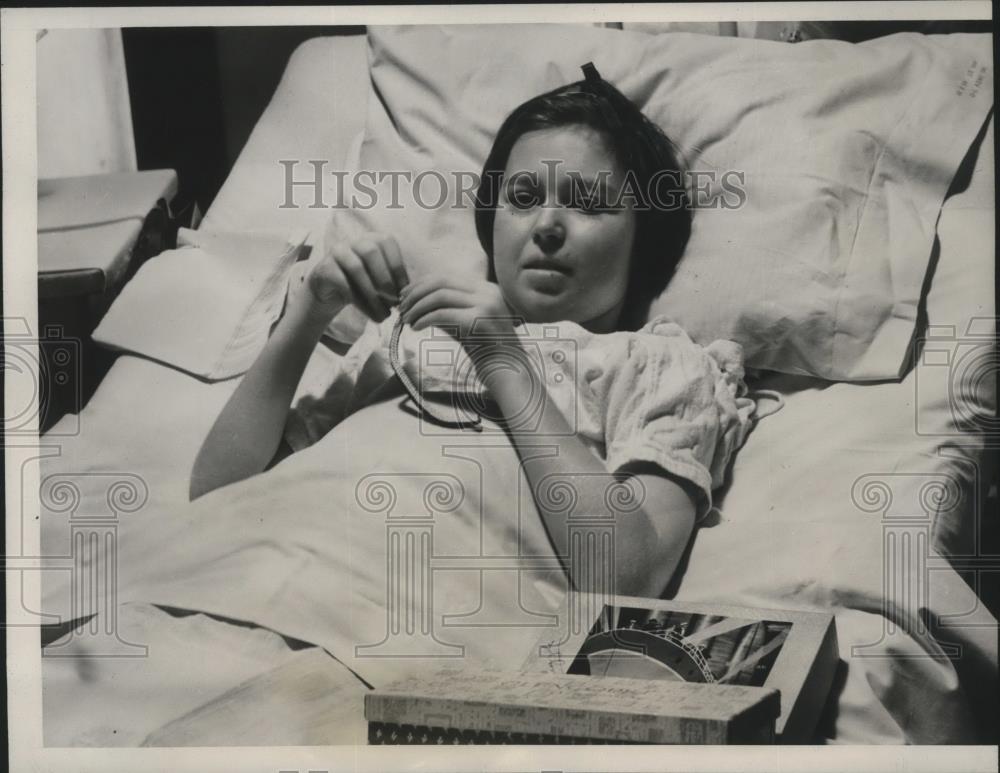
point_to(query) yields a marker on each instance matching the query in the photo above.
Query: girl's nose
(549, 233)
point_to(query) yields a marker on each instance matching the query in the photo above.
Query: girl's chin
(539, 308)
(542, 307)
(553, 312)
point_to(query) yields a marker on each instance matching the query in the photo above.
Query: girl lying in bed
(640, 401)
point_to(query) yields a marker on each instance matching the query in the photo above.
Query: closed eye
(524, 198)
(591, 205)
(590, 197)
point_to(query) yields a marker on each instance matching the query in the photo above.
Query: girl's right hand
(367, 272)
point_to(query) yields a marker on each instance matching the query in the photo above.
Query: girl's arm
(648, 543)
(247, 433)
(367, 272)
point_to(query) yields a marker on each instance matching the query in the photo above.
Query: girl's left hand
(459, 302)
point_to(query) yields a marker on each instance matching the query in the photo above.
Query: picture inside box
(671, 645)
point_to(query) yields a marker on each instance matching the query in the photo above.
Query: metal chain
(474, 423)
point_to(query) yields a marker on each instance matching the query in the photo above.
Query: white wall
(84, 118)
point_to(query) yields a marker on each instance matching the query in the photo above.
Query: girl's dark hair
(645, 153)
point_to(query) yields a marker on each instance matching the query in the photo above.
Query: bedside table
(93, 233)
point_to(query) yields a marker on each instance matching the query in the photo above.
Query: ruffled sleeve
(678, 405)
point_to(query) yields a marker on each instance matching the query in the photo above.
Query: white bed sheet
(148, 420)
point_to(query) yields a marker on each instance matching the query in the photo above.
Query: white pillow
(847, 152)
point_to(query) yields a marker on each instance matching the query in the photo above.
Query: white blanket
(302, 550)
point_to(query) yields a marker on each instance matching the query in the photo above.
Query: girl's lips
(546, 280)
(547, 264)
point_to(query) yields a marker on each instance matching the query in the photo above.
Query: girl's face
(557, 256)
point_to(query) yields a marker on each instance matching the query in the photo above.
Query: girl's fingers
(364, 292)
(371, 253)
(420, 287)
(438, 299)
(417, 290)
(394, 259)
(445, 317)
(428, 284)
(328, 283)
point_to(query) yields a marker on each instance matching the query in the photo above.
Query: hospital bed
(819, 501)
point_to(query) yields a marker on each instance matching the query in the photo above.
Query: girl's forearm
(247, 433)
(642, 562)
